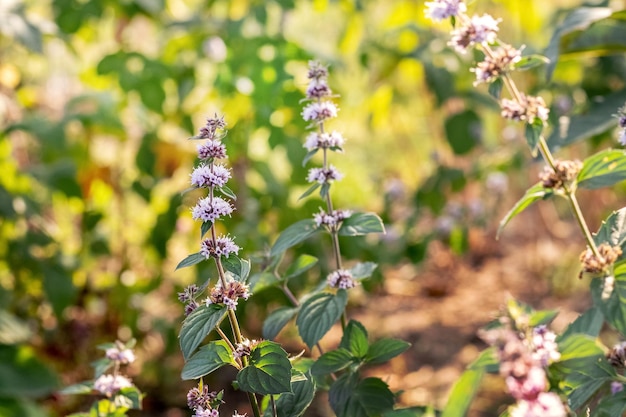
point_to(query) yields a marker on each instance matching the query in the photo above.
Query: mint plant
(548, 375)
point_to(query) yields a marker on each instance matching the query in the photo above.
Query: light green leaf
(361, 224)
(613, 230)
(589, 323)
(310, 190)
(363, 270)
(332, 361)
(198, 325)
(385, 349)
(190, 260)
(269, 370)
(603, 169)
(535, 193)
(228, 192)
(131, 397)
(293, 235)
(463, 393)
(531, 61)
(300, 266)
(278, 319)
(354, 339)
(209, 358)
(533, 133)
(318, 314)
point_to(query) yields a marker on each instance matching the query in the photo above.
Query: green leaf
(350, 397)
(463, 131)
(599, 118)
(463, 393)
(385, 349)
(228, 192)
(209, 358)
(354, 339)
(240, 268)
(22, 374)
(310, 190)
(278, 319)
(332, 361)
(578, 347)
(361, 224)
(614, 307)
(533, 133)
(300, 266)
(130, 397)
(205, 227)
(535, 193)
(613, 230)
(261, 281)
(198, 325)
(59, 287)
(25, 408)
(495, 88)
(589, 323)
(12, 329)
(269, 370)
(363, 270)
(531, 61)
(603, 169)
(611, 405)
(85, 387)
(308, 156)
(293, 235)
(422, 411)
(190, 260)
(318, 314)
(294, 404)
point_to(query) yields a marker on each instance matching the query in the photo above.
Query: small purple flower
(197, 398)
(206, 412)
(223, 246)
(208, 209)
(209, 131)
(318, 88)
(324, 140)
(547, 404)
(341, 279)
(479, 29)
(190, 307)
(317, 71)
(616, 387)
(545, 349)
(497, 182)
(622, 138)
(110, 384)
(188, 293)
(324, 175)
(443, 9)
(331, 220)
(210, 176)
(319, 111)
(211, 149)
(121, 355)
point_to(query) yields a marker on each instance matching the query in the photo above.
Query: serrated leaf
(191, 260)
(198, 325)
(385, 349)
(532, 195)
(363, 270)
(209, 358)
(310, 190)
(531, 61)
(318, 314)
(278, 319)
(268, 372)
(302, 264)
(354, 339)
(293, 235)
(361, 224)
(603, 169)
(332, 361)
(614, 307)
(589, 323)
(294, 404)
(350, 397)
(533, 133)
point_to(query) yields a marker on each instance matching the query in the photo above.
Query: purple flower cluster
(477, 30)
(108, 384)
(111, 384)
(229, 294)
(331, 220)
(324, 175)
(206, 176)
(316, 140)
(120, 354)
(209, 209)
(443, 9)
(245, 348)
(341, 279)
(221, 246)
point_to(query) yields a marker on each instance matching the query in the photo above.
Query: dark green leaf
(205, 227)
(318, 314)
(350, 397)
(361, 224)
(463, 131)
(299, 266)
(25, 408)
(611, 405)
(262, 281)
(354, 339)
(332, 361)
(209, 358)
(275, 322)
(310, 190)
(59, 287)
(613, 305)
(293, 235)
(603, 169)
(80, 388)
(198, 325)
(269, 371)
(294, 404)
(385, 349)
(190, 260)
(240, 268)
(495, 88)
(613, 230)
(533, 133)
(533, 194)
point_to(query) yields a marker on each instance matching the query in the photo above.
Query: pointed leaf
(209, 358)
(240, 268)
(533, 133)
(300, 266)
(533, 194)
(228, 192)
(385, 349)
(309, 155)
(589, 323)
(354, 339)
(275, 322)
(332, 361)
(206, 226)
(350, 397)
(310, 190)
(192, 259)
(198, 325)
(603, 169)
(318, 314)
(269, 370)
(495, 88)
(613, 307)
(294, 404)
(293, 235)
(363, 270)
(85, 387)
(361, 224)
(531, 61)
(463, 393)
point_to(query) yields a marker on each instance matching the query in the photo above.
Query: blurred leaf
(533, 133)
(589, 323)
(603, 169)
(12, 329)
(310, 190)
(613, 307)
(463, 131)
(385, 349)
(302, 264)
(293, 235)
(354, 339)
(440, 81)
(463, 392)
(85, 387)
(611, 406)
(318, 314)
(15, 24)
(130, 397)
(269, 370)
(165, 226)
(495, 88)
(363, 270)
(10, 407)
(209, 358)
(597, 119)
(359, 224)
(198, 325)
(295, 403)
(423, 411)
(278, 319)
(23, 375)
(190, 260)
(332, 361)
(535, 193)
(350, 397)
(531, 61)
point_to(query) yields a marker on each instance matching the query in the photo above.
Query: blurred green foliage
(98, 96)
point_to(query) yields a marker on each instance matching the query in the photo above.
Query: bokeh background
(98, 98)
